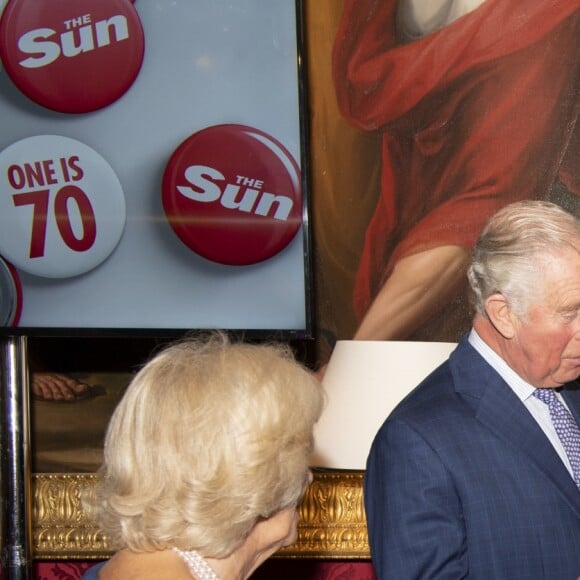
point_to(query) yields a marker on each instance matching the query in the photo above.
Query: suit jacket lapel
(499, 409)
(571, 394)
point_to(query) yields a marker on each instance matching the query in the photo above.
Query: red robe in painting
(475, 116)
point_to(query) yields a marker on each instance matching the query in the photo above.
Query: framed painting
(426, 118)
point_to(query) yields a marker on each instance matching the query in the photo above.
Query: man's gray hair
(512, 249)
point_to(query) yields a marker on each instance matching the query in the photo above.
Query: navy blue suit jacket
(461, 482)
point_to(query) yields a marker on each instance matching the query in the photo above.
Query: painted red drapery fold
(474, 116)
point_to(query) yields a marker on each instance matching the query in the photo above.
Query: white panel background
(152, 280)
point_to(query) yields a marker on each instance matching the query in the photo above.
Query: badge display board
(153, 167)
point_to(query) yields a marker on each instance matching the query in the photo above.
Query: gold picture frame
(332, 523)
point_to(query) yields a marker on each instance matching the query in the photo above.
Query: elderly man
(476, 474)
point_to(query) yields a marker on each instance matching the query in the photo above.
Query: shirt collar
(519, 386)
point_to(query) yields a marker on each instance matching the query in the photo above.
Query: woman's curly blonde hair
(210, 437)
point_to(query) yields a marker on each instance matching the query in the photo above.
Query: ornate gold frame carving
(332, 522)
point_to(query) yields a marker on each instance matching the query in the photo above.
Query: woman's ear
(500, 315)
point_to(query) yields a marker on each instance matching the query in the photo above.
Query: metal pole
(15, 460)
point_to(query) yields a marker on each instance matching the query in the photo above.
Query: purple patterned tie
(566, 428)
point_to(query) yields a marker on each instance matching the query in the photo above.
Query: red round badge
(232, 194)
(72, 56)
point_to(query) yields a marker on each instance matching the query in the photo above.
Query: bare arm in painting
(418, 287)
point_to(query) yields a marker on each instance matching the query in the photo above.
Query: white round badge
(62, 207)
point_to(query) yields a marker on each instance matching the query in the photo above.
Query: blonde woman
(206, 460)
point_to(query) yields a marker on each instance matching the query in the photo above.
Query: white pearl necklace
(197, 565)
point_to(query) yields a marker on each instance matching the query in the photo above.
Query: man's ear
(500, 315)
